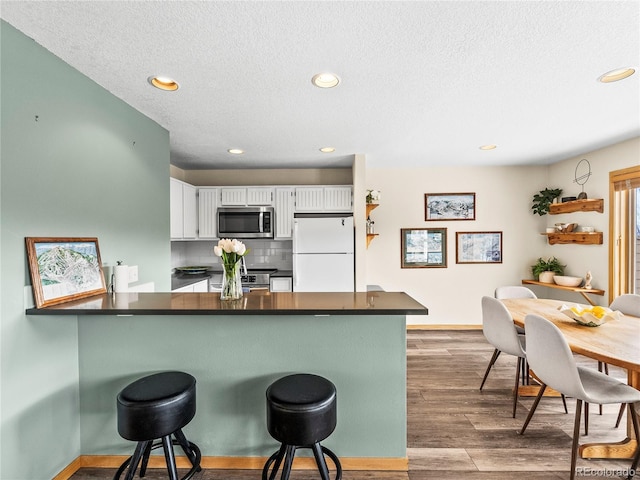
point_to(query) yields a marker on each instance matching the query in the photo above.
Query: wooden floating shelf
(580, 290)
(371, 206)
(586, 205)
(370, 236)
(579, 238)
(595, 291)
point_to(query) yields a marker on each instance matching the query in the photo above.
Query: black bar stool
(301, 412)
(157, 407)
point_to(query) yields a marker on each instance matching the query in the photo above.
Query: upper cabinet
(244, 196)
(183, 216)
(207, 208)
(285, 202)
(324, 199)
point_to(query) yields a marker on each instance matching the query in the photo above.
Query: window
(624, 231)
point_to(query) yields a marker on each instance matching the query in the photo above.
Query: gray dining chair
(628, 304)
(500, 331)
(549, 355)
(511, 291)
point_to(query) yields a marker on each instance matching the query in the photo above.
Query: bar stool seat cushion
(156, 405)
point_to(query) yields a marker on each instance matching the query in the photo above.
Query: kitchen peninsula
(235, 349)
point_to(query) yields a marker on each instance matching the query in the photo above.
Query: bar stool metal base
(144, 449)
(287, 452)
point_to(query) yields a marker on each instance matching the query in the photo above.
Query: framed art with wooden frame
(64, 269)
(449, 206)
(478, 247)
(423, 248)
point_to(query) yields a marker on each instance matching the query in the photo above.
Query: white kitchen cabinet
(201, 286)
(183, 211)
(230, 196)
(338, 199)
(207, 210)
(285, 202)
(324, 199)
(260, 196)
(281, 284)
(244, 196)
(309, 199)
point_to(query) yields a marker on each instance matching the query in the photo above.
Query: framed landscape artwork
(64, 269)
(449, 206)
(423, 247)
(478, 247)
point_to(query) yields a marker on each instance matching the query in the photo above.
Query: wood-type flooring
(455, 431)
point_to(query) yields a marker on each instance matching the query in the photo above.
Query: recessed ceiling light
(327, 149)
(235, 151)
(164, 83)
(615, 75)
(325, 80)
(488, 147)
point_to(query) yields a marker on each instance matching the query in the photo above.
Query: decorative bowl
(591, 316)
(566, 281)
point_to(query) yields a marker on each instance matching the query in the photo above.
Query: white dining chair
(510, 291)
(628, 304)
(500, 331)
(549, 355)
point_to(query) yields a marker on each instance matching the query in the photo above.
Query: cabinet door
(207, 209)
(233, 196)
(309, 199)
(202, 286)
(189, 211)
(284, 213)
(175, 208)
(337, 199)
(280, 284)
(259, 196)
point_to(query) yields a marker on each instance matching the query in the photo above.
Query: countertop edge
(252, 304)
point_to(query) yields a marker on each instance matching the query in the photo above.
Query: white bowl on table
(567, 281)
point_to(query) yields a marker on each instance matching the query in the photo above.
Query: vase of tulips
(231, 253)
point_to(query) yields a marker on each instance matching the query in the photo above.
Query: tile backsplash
(262, 254)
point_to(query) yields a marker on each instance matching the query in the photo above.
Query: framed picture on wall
(64, 269)
(449, 206)
(478, 247)
(423, 247)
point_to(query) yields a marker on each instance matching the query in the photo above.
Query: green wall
(74, 161)
(234, 359)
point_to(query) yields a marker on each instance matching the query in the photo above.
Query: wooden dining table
(616, 342)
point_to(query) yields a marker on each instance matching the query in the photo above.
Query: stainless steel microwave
(245, 222)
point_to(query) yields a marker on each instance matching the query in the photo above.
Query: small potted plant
(544, 270)
(543, 199)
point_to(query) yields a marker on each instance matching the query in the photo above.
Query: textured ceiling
(423, 83)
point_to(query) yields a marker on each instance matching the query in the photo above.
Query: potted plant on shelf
(543, 199)
(544, 270)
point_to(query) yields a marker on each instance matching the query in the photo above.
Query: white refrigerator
(323, 259)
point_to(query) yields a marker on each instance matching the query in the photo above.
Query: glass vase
(231, 282)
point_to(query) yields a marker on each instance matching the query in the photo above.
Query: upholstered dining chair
(511, 291)
(500, 331)
(628, 304)
(549, 355)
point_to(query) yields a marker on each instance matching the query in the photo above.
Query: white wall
(503, 203)
(582, 258)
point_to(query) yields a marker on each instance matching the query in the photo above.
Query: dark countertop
(253, 303)
(179, 280)
(282, 273)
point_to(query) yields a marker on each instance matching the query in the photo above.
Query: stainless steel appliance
(252, 279)
(245, 222)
